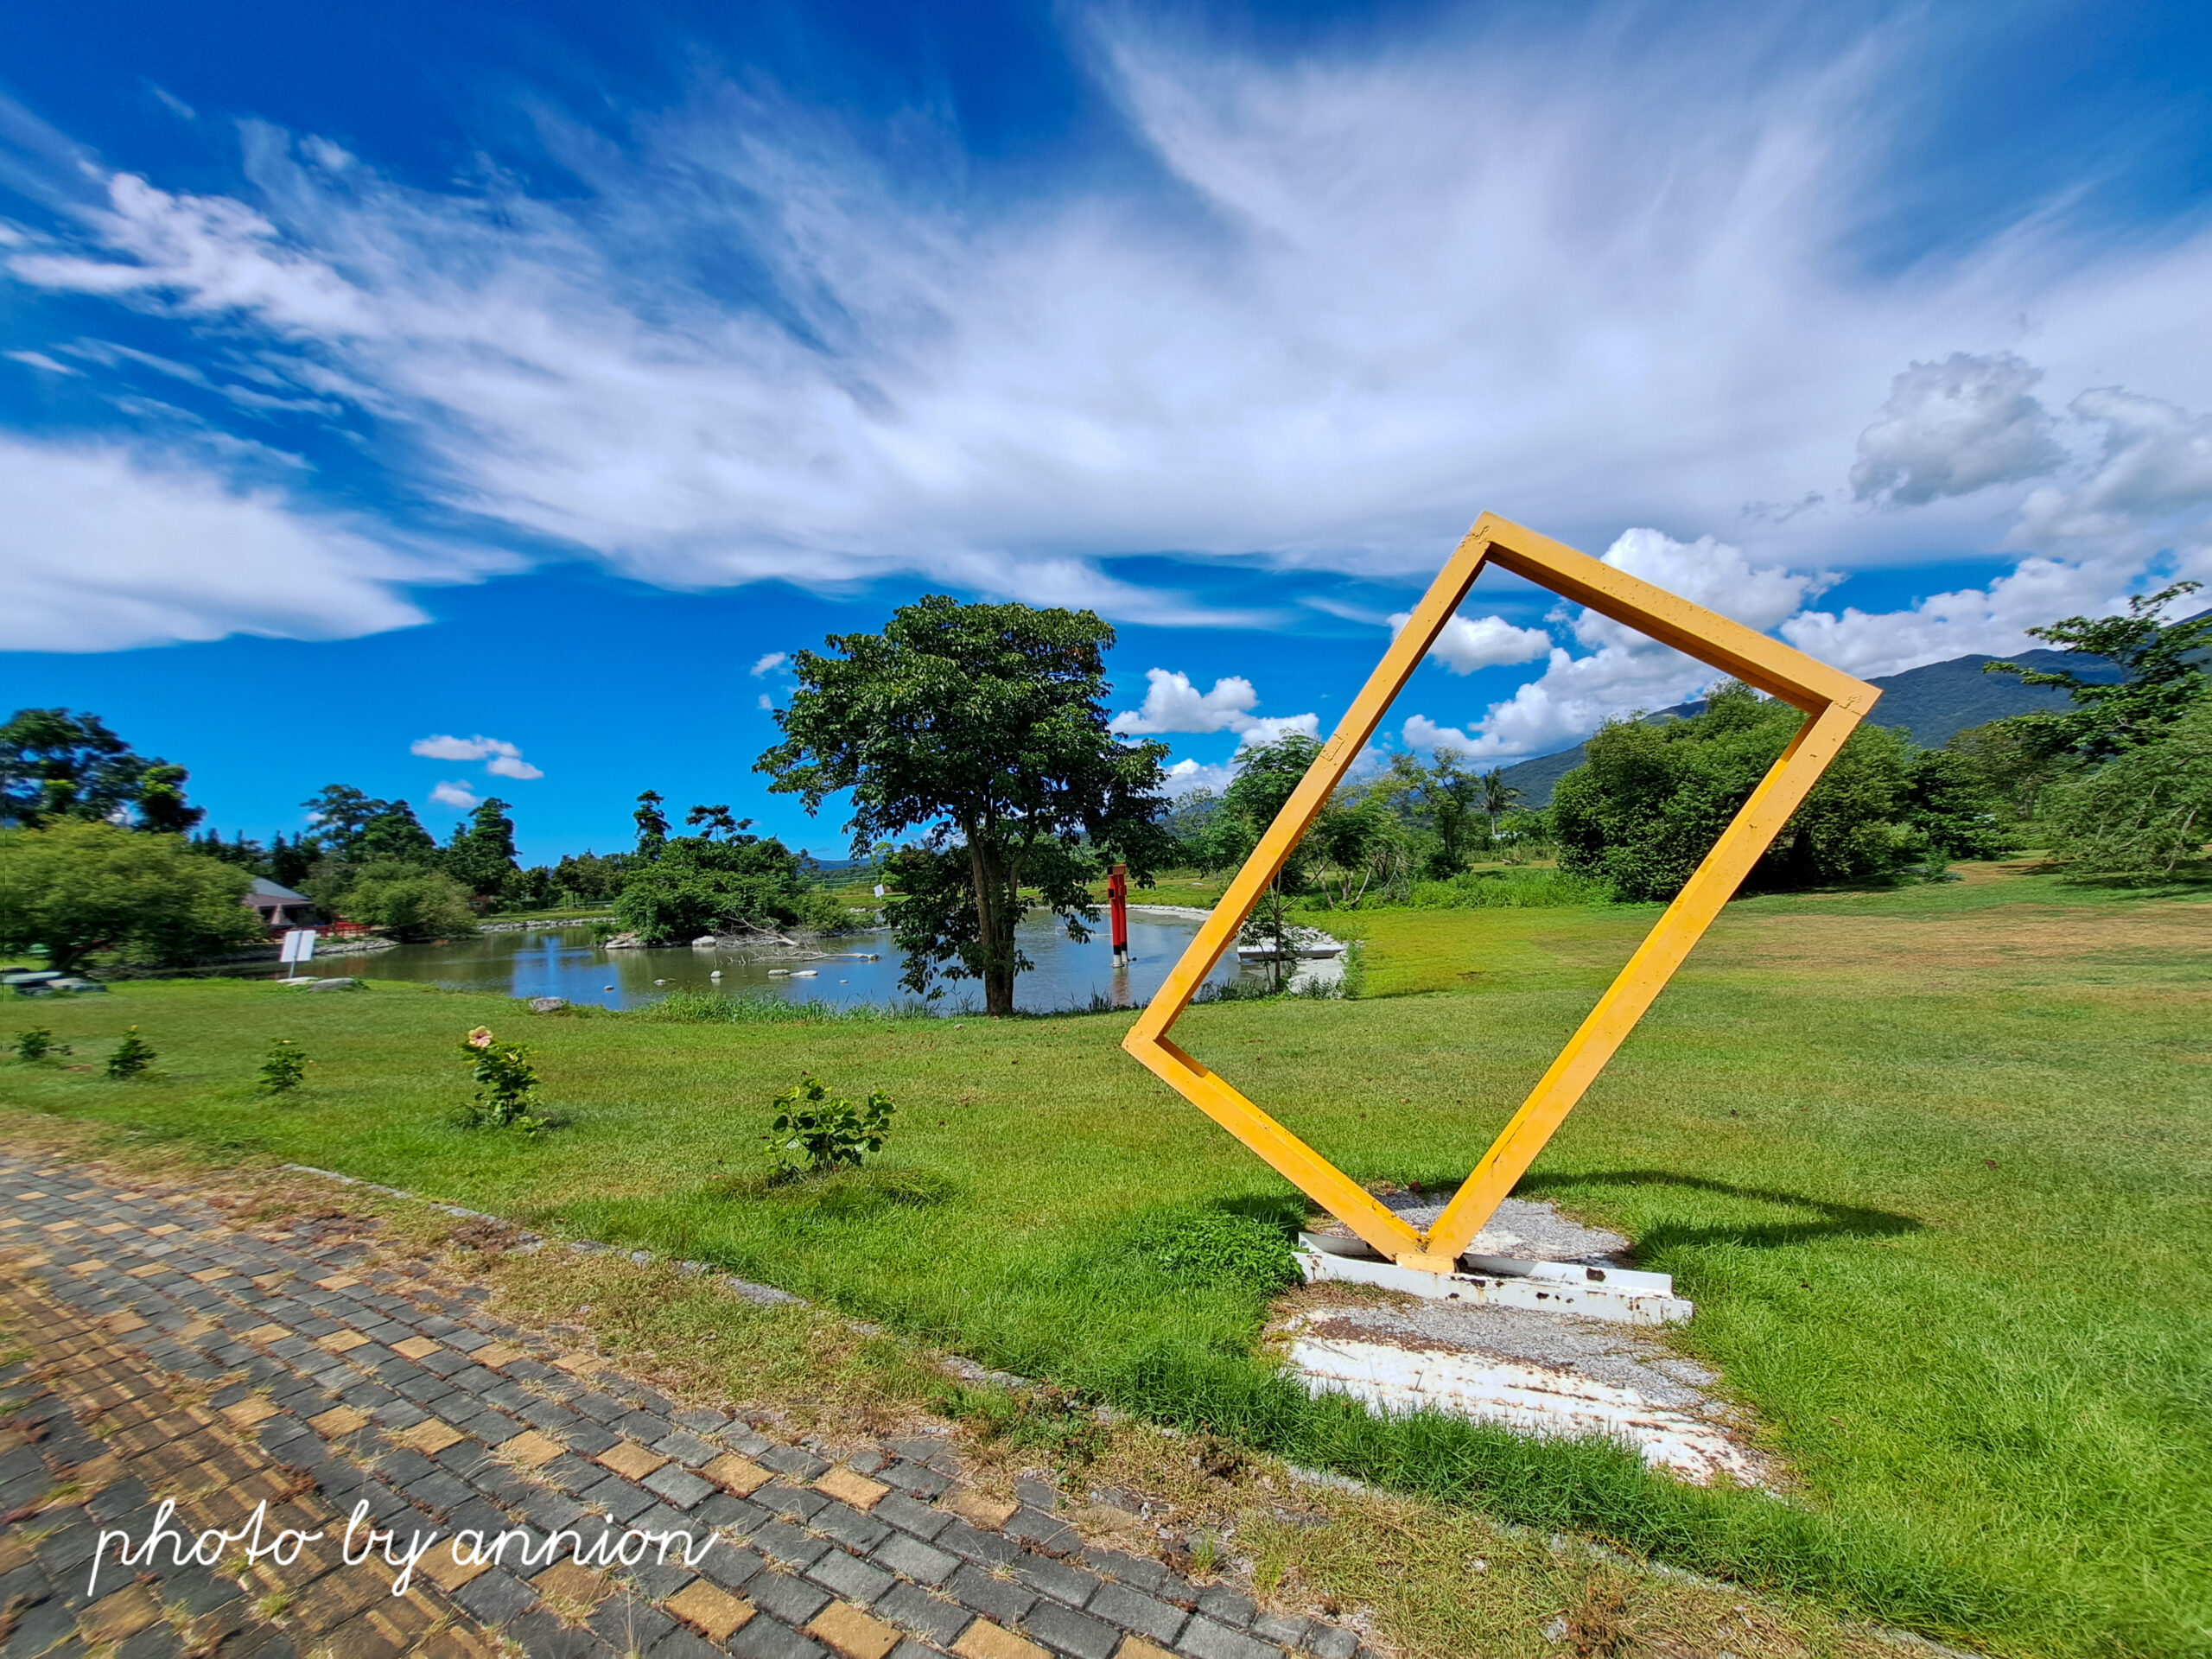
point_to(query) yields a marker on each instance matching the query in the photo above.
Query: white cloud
(461, 748)
(1955, 427)
(501, 758)
(40, 360)
(1362, 309)
(767, 702)
(1185, 777)
(1624, 669)
(769, 661)
(103, 547)
(1466, 644)
(455, 795)
(1267, 728)
(1171, 703)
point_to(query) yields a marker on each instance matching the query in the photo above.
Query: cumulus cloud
(1171, 703)
(502, 758)
(1955, 427)
(1624, 670)
(457, 795)
(1187, 777)
(769, 662)
(1469, 643)
(105, 546)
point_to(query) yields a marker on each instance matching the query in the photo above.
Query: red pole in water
(1118, 894)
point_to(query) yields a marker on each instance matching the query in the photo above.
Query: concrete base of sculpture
(1623, 1296)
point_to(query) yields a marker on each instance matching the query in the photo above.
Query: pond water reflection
(563, 962)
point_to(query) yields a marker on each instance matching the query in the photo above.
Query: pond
(563, 962)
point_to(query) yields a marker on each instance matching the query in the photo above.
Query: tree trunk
(992, 933)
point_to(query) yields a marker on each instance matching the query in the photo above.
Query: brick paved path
(173, 1357)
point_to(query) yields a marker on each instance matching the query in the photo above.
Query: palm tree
(1497, 795)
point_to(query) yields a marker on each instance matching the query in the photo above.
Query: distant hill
(1929, 703)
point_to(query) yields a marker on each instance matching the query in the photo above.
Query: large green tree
(2147, 811)
(2165, 677)
(981, 729)
(55, 766)
(77, 888)
(1650, 800)
(481, 854)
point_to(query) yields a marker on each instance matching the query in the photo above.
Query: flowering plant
(507, 1083)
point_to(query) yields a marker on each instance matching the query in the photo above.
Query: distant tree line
(980, 733)
(2121, 783)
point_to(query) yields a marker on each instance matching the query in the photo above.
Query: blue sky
(523, 376)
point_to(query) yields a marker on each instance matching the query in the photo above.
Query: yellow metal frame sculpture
(1834, 703)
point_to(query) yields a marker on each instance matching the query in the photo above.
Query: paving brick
(679, 1486)
(908, 1516)
(857, 1581)
(1134, 1611)
(913, 1559)
(1283, 1631)
(846, 1487)
(713, 1612)
(769, 1638)
(916, 1610)
(846, 1630)
(984, 1640)
(1065, 1631)
(1056, 1578)
(999, 1598)
(1204, 1639)
(790, 1599)
(1227, 1606)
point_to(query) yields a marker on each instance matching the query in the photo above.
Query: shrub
(36, 1044)
(2145, 811)
(813, 1132)
(1215, 1248)
(80, 887)
(131, 1057)
(506, 1084)
(283, 1068)
(404, 899)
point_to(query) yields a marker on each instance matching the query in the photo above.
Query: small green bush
(131, 1057)
(506, 1084)
(813, 1133)
(36, 1044)
(282, 1069)
(1216, 1248)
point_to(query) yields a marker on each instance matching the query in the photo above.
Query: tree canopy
(981, 730)
(76, 888)
(677, 888)
(1651, 798)
(2163, 679)
(56, 765)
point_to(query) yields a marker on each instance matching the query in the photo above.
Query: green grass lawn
(1931, 1162)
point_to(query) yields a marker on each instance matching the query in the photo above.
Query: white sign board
(879, 889)
(299, 945)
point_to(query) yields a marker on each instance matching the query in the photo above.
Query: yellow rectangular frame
(1834, 703)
